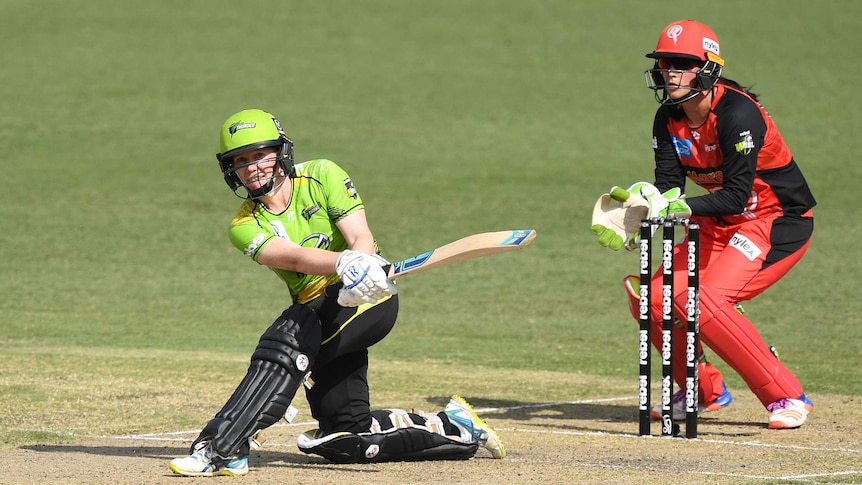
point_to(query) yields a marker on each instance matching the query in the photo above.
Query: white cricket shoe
(473, 429)
(788, 413)
(204, 463)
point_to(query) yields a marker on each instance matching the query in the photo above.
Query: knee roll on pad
(292, 341)
(284, 355)
(401, 444)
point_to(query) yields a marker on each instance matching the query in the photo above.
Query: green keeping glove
(669, 205)
(618, 213)
(676, 205)
(656, 202)
(617, 216)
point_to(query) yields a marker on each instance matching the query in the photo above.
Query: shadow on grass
(259, 458)
(589, 417)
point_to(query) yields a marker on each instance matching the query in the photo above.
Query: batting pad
(278, 366)
(399, 444)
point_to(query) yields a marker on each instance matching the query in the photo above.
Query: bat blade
(469, 247)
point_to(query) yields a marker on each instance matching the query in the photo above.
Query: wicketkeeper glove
(676, 205)
(667, 205)
(363, 277)
(617, 216)
(618, 213)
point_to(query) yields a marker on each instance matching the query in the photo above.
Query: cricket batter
(306, 222)
(756, 219)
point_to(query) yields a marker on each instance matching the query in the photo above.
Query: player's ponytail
(735, 85)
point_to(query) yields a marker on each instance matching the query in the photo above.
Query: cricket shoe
(678, 404)
(204, 463)
(808, 404)
(789, 413)
(473, 429)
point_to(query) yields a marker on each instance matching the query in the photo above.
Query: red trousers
(737, 263)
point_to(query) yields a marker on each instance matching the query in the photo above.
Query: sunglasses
(679, 63)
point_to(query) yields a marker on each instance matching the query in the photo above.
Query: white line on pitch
(719, 474)
(161, 436)
(164, 437)
(158, 436)
(552, 404)
(702, 440)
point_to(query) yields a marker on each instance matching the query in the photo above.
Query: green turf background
(452, 117)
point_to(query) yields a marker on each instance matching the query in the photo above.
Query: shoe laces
(203, 450)
(779, 404)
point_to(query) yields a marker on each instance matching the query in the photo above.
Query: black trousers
(339, 398)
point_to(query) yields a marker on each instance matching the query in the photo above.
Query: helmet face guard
(657, 79)
(252, 130)
(683, 46)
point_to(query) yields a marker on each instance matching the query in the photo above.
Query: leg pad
(395, 435)
(403, 444)
(733, 338)
(283, 357)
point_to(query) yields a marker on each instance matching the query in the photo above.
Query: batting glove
(363, 277)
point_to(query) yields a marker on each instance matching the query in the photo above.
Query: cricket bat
(477, 245)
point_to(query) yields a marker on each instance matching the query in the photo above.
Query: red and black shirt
(737, 155)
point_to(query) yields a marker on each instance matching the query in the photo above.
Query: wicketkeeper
(756, 216)
(306, 222)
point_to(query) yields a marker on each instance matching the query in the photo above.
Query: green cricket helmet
(253, 129)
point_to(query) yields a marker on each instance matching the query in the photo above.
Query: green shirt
(322, 195)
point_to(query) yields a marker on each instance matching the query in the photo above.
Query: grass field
(124, 310)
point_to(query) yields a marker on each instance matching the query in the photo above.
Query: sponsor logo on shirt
(251, 248)
(682, 146)
(710, 180)
(316, 240)
(279, 229)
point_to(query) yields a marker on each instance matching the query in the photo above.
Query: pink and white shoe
(788, 413)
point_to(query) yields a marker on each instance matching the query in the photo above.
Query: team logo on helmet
(674, 31)
(239, 125)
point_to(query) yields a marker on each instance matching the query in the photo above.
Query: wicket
(668, 428)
